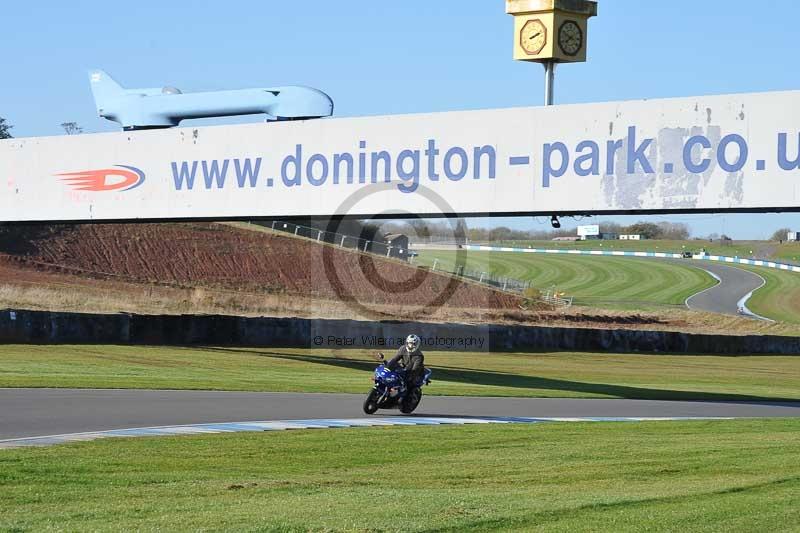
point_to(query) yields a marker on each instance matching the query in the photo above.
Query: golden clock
(533, 37)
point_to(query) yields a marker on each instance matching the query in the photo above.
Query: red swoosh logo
(107, 179)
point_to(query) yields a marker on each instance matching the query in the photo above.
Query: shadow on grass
(517, 381)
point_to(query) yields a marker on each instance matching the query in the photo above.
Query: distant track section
(734, 286)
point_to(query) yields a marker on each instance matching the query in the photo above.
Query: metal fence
(486, 278)
(559, 299)
(385, 250)
(342, 240)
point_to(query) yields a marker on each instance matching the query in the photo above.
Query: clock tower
(551, 32)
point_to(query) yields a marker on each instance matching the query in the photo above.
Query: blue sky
(391, 57)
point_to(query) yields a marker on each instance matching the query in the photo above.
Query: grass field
(724, 476)
(747, 249)
(475, 374)
(597, 281)
(789, 252)
(624, 283)
(779, 299)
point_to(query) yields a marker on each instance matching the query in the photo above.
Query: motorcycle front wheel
(371, 403)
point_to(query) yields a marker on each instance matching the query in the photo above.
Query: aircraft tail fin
(104, 88)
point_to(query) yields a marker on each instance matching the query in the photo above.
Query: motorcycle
(390, 391)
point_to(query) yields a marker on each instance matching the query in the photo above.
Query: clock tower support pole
(549, 81)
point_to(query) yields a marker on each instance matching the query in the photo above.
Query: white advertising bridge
(704, 154)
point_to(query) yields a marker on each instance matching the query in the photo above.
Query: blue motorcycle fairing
(387, 376)
(391, 388)
(390, 376)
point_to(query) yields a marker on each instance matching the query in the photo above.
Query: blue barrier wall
(44, 327)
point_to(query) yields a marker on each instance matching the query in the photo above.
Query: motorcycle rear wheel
(411, 401)
(371, 403)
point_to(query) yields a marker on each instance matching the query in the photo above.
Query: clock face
(570, 38)
(533, 37)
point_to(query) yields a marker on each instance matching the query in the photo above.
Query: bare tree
(676, 231)
(71, 128)
(781, 234)
(612, 227)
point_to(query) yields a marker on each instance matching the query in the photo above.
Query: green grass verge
(614, 282)
(779, 299)
(473, 374)
(721, 476)
(789, 252)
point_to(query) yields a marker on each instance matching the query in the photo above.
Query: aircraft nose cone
(302, 102)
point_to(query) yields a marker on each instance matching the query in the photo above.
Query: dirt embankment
(216, 256)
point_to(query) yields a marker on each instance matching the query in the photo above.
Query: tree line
(458, 230)
(71, 128)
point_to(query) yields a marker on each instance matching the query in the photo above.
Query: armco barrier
(662, 255)
(42, 327)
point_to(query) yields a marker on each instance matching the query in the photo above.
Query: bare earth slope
(224, 257)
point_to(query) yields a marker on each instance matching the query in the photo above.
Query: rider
(409, 357)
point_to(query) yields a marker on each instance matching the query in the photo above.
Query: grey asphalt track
(724, 297)
(40, 412)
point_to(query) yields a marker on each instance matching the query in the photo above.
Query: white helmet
(412, 343)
